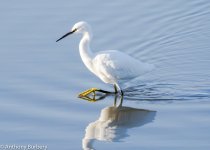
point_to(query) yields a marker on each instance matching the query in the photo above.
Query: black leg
(103, 91)
(115, 89)
(122, 93)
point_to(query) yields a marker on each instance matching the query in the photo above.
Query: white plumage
(115, 67)
(112, 66)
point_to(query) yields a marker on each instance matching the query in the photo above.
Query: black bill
(66, 34)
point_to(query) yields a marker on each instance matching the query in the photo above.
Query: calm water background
(40, 79)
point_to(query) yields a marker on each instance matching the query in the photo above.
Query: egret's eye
(74, 30)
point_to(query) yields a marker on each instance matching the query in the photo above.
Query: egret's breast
(102, 68)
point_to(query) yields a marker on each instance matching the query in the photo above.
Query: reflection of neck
(85, 52)
(87, 144)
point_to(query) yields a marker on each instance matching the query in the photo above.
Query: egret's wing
(120, 66)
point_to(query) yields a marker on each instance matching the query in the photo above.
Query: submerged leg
(115, 101)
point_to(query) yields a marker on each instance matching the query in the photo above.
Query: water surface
(169, 108)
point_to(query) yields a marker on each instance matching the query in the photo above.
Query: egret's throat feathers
(112, 66)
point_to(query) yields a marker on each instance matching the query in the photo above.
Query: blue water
(169, 108)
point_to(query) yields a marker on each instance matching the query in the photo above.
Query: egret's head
(79, 27)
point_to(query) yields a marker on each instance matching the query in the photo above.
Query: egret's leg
(115, 89)
(103, 91)
(122, 93)
(118, 87)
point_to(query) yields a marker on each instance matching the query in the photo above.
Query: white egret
(111, 66)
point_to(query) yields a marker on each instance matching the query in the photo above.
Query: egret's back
(116, 67)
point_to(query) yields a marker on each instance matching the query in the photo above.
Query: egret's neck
(85, 51)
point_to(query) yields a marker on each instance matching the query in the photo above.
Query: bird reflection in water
(113, 123)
